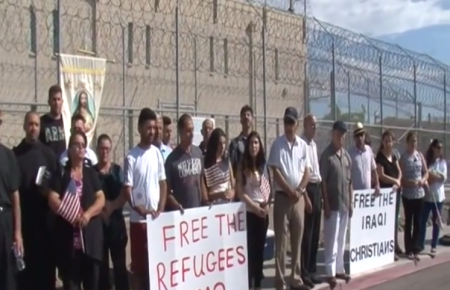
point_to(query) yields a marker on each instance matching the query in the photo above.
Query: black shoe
(316, 280)
(344, 277)
(332, 282)
(308, 282)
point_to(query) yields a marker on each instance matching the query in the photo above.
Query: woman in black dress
(389, 173)
(77, 198)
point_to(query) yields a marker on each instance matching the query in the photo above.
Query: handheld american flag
(215, 176)
(265, 187)
(70, 208)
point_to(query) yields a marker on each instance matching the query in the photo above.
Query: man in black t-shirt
(52, 126)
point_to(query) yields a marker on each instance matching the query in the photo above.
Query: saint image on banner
(84, 105)
(83, 79)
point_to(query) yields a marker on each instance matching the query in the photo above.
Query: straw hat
(358, 128)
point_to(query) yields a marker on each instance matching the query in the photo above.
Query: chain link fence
(210, 57)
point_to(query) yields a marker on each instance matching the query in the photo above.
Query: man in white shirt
(145, 190)
(78, 125)
(311, 233)
(291, 168)
(363, 162)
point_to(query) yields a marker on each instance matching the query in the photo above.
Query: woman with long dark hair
(218, 179)
(414, 177)
(77, 198)
(389, 174)
(435, 196)
(253, 188)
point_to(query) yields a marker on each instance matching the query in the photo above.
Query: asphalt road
(434, 278)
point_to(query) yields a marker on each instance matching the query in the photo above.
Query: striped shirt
(217, 177)
(257, 186)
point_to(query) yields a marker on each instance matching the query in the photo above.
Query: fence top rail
(25, 107)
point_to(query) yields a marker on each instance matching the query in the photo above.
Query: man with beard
(237, 145)
(10, 218)
(207, 128)
(52, 126)
(158, 142)
(31, 154)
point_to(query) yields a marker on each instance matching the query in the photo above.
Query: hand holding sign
(203, 249)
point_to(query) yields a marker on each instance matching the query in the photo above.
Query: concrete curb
(397, 270)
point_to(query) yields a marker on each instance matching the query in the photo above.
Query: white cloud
(374, 17)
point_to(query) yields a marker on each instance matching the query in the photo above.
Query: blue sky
(421, 26)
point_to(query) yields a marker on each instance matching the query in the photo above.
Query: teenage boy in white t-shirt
(145, 190)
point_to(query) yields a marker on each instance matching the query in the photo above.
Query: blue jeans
(434, 209)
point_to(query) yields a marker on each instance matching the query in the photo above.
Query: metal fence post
(124, 90)
(380, 64)
(333, 84)
(415, 95)
(177, 56)
(263, 38)
(445, 113)
(58, 57)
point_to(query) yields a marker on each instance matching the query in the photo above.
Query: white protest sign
(203, 249)
(372, 230)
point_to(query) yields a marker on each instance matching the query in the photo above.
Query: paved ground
(434, 278)
(377, 276)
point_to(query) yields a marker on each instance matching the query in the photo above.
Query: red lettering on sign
(160, 273)
(173, 273)
(240, 221)
(199, 225)
(167, 238)
(185, 268)
(234, 222)
(190, 232)
(183, 232)
(198, 265)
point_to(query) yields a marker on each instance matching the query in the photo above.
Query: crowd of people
(71, 217)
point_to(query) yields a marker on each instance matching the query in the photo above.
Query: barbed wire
(308, 62)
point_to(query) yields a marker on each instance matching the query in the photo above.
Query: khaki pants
(288, 221)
